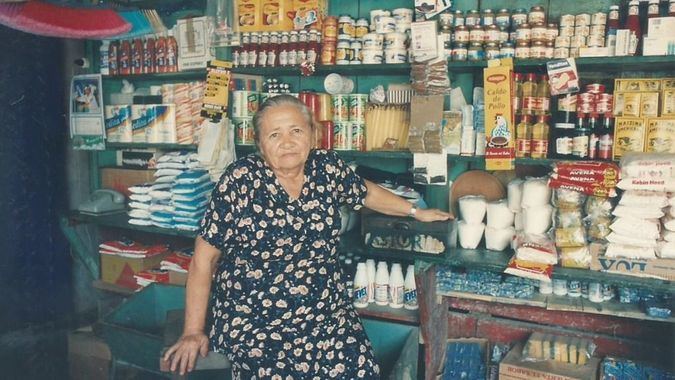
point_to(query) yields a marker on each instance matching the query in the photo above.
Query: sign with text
(500, 151)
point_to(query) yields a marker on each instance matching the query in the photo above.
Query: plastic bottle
(125, 58)
(396, 287)
(149, 55)
(529, 94)
(113, 58)
(540, 138)
(104, 68)
(361, 286)
(543, 95)
(171, 53)
(160, 55)
(518, 93)
(137, 56)
(410, 292)
(382, 284)
(633, 24)
(523, 137)
(370, 270)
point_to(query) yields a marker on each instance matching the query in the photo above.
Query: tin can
(597, 30)
(599, 18)
(559, 287)
(361, 28)
(358, 136)
(537, 14)
(340, 108)
(330, 27)
(566, 31)
(583, 19)
(328, 54)
(583, 30)
(561, 42)
(561, 52)
(343, 52)
(357, 107)
(328, 136)
(342, 135)
(567, 20)
(551, 32)
(243, 128)
(357, 57)
(574, 288)
(375, 14)
(346, 25)
(607, 292)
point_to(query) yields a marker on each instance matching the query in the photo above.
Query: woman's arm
(194, 341)
(386, 202)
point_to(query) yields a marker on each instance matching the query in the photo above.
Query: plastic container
(396, 287)
(410, 290)
(382, 284)
(395, 55)
(361, 286)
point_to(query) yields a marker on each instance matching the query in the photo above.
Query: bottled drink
(633, 24)
(137, 56)
(370, 270)
(543, 95)
(125, 58)
(594, 137)
(361, 286)
(171, 54)
(382, 284)
(606, 139)
(160, 55)
(410, 296)
(104, 68)
(396, 286)
(523, 137)
(149, 55)
(113, 58)
(529, 94)
(540, 137)
(517, 93)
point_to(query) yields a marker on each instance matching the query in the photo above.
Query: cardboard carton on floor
(120, 270)
(653, 268)
(88, 355)
(514, 368)
(121, 179)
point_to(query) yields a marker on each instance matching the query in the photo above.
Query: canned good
(243, 131)
(361, 28)
(518, 17)
(373, 40)
(472, 18)
(358, 136)
(559, 287)
(328, 54)
(356, 48)
(538, 31)
(461, 34)
(476, 52)
(492, 33)
(538, 50)
(537, 14)
(342, 135)
(574, 288)
(562, 42)
(599, 18)
(607, 292)
(522, 50)
(357, 107)
(460, 52)
(583, 19)
(372, 56)
(583, 30)
(596, 88)
(566, 31)
(459, 19)
(551, 32)
(328, 137)
(567, 20)
(507, 50)
(340, 108)
(523, 33)
(488, 17)
(395, 55)
(385, 24)
(477, 34)
(549, 50)
(574, 52)
(503, 18)
(492, 51)
(597, 30)
(403, 14)
(343, 52)
(561, 52)
(595, 41)
(376, 14)
(394, 40)
(245, 103)
(578, 41)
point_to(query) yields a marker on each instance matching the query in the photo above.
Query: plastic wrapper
(628, 295)
(464, 360)
(529, 269)
(430, 78)
(575, 257)
(570, 237)
(666, 235)
(642, 165)
(597, 227)
(665, 250)
(568, 198)
(598, 206)
(640, 212)
(600, 172)
(630, 240)
(639, 198)
(657, 309)
(536, 248)
(669, 223)
(609, 183)
(563, 349)
(568, 217)
(629, 251)
(637, 228)
(647, 184)
(595, 189)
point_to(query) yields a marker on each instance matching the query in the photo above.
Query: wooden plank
(461, 325)
(435, 316)
(537, 300)
(390, 314)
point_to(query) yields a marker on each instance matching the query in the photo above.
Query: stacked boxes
(645, 115)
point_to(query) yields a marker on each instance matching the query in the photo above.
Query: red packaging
(529, 269)
(160, 55)
(328, 134)
(599, 171)
(125, 58)
(137, 56)
(595, 88)
(149, 56)
(113, 58)
(171, 55)
(595, 189)
(585, 180)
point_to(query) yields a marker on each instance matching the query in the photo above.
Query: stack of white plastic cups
(499, 231)
(472, 209)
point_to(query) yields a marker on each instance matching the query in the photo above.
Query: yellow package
(649, 104)
(668, 102)
(627, 104)
(500, 152)
(629, 135)
(641, 84)
(309, 13)
(276, 15)
(668, 84)
(575, 257)
(660, 135)
(248, 14)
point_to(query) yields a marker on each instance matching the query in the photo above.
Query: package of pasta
(598, 206)
(568, 198)
(575, 257)
(584, 171)
(597, 227)
(595, 189)
(570, 237)
(568, 217)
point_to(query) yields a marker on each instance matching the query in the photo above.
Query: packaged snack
(595, 189)
(570, 237)
(638, 228)
(643, 212)
(529, 269)
(575, 257)
(598, 206)
(568, 217)
(598, 227)
(568, 198)
(536, 248)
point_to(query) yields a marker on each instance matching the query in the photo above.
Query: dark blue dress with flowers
(280, 307)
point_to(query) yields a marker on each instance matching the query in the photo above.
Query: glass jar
(522, 50)
(518, 17)
(476, 52)
(492, 51)
(477, 34)
(460, 51)
(507, 50)
(503, 34)
(537, 50)
(346, 25)
(551, 32)
(538, 31)
(549, 50)
(461, 34)
(503, 18)
(492, 33)
(488, 17)
(563, 135)
(537, 14)
(523, 33)
(362, 28)
(472, 18)
(446, 20)
(459, 19)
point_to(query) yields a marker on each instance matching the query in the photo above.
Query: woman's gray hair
(278, 101)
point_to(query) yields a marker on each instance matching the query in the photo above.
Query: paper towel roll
(498, 239)
(518, 220)
(515, 194)
(470, 234)
(498, 214)
(472, 208)
(535, 192)
(537, 220)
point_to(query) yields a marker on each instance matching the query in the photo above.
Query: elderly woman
(280, 308)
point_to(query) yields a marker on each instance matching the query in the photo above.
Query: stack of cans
(580, 31)
(349, 122)
(244, 105)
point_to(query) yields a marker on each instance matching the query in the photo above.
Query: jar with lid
(523, 33)
(361, 28)
(255, 38)
(293, 49)
(580, 142)
(346, 25)
(507, 50)
(492, 50)
(613, 17)
(549, 50)
(446, 20)
(537, 14)
(522, 50)
(488, 17)
(540, 131)
(312, 49)
(653, 9)
(551, 32)
(472, 18)
(356, 48)
(476, 52)
(343, 52)
(537, 50)
(503, 18)
(330, 27)
(477, 34)
(460, 51)
(503, 34)
(459, 19)
(562, 137)
(518, 17)
(264, 48)
(492, 33)
(461, 34)
(538, 31)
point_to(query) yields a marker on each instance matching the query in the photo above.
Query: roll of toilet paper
(537, 220)
(470, 234)
(535, 192)
(498, 239)
(498, 214)
(473, 208)
(518, 220)
(515, 194)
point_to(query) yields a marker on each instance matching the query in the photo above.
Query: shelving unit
(116, 145)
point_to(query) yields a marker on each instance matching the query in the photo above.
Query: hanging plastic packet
(222, 28)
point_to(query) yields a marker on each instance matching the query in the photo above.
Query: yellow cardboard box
(629, 135)
(309, 13)
(660, 135)
(276, 15)
(249, 15)
(500, 133)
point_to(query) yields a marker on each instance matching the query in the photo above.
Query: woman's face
(285, 138)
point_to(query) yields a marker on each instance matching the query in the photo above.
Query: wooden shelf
(604, 64)
(378, 69)
(403, 315)
(561, 303)
(117, 145)
(121, 220)
(165, 77)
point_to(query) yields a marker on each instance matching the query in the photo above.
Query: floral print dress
(280, 309)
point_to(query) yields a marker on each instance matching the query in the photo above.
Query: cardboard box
(660, 135)
(668, 84)
(88, 355)
(309, 13)
(661, 27)
(627, 104)
(500, 133)
(668, 102)
(629, 135)
(594, 52)
(622, 42)
(177, 278)
(649, 104)
(276, 15)
(423, 110)
(248, 15)
(653, 268)
(638, 84)
(194, 47)
(655, 46)
(120, 270)
(121, 179)
(513, 368)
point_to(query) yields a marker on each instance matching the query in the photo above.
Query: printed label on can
(243, 131)
(357, 107)
(340, 108)
(358, 136)
(342, 136)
